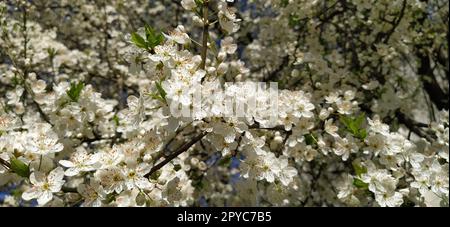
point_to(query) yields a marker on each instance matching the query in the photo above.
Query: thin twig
(5, 163)
(175, 154)
(205, 34)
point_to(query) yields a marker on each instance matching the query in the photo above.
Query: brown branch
(285, 62)
(425, 71)
(256, 125)
(430, 84)
(68, 189)
(274, 74)
(5, 163)
(25, 39)
(396, 23)
(175, 154)
(178, 3)
(165, 151)
(413, 126)
(205, 34)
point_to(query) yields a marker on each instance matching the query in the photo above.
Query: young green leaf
(354, 125)
(152, 37)
(150, 40)
(20, 168)
(360, 184)
(310, 139)
(198, 2)
(293, 20)
(116, 120)
(362, 133)
(149, 33)
(161, 90)
(75, 91)
(158, 40)
(138, 40)
(359, 170)
(155, 40)
(52, 52)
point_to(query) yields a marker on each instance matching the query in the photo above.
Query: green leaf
(293, 20)
(226, 161)
(176, 167)
(155, 175)
(51, 52)
(161, 90)
(354, 125)
(141, 198)
(198, 2)
(138, 40)
(359, 120)
(75, 91)
(310, 139)
(214, 47)
(198, 184)
(16, 80)
(359, 170)
(153, 38)
(110, 198)
(116, 120)
(149, 32)
(360, 184)
(159, 39)
(362, 134)
(16, 193)
(156, 96)
(20, 168)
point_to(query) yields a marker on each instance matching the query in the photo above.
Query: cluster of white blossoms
(291, 103)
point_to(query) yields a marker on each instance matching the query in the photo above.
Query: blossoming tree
(88, 91)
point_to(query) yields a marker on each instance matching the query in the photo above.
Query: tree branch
(275, 128)
(205, 34)
(413, 126)
(5, 163)
(430, 84)
(175, 154)
(396, 23)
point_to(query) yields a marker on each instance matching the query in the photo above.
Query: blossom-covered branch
(222, 102)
